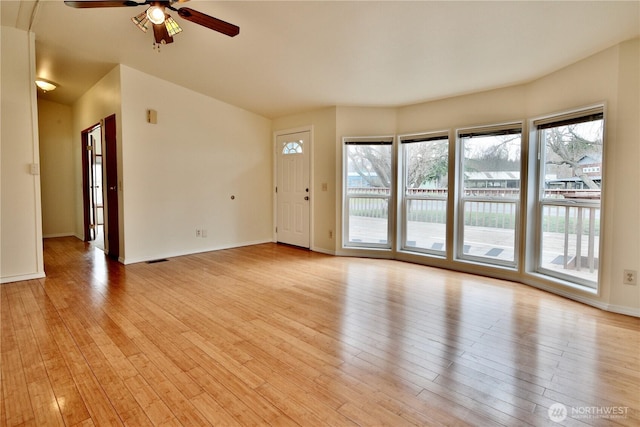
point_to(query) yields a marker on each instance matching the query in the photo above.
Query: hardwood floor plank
(375, 415)
(289, 405)
(212, 411)
(93, 396)
(15, 391)
(274, 335)
(114, 386)
(307, 394)
(170, 367)
(16, 403)
(270, 358)
(153, 407)
(43, 401)
(117, 359)
(225, 361)
(228, 395)
(409, 407)
(183, 410)
(45, 405)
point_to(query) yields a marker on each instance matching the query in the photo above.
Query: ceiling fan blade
(87, 4)
(161, 34)
(209, 21)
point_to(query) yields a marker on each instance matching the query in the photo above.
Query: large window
(415, 199)
(425, 166)
(489, 195)
(569, 196)
(368, 178)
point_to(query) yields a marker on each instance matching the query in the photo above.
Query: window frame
(461, 199)
(405, 198)
(583, 115)
(346, 197)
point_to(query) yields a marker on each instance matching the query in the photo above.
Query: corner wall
(20, 208)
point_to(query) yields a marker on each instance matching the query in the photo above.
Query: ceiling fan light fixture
(172, 26)
(156, 14)
(45, 85)
(141, 21)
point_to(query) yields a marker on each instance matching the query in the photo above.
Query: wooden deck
(274, 335)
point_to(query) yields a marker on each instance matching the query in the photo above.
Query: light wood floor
(273, 335)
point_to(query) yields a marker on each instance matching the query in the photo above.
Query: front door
(292, 188)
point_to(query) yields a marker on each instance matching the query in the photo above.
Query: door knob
(112, 188)
(306, 197)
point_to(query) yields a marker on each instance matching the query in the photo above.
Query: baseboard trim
(54, 235)
(22, 277)
(127, 261)
(323, 251)
(620, 309)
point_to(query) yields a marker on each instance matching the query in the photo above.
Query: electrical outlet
(204, 232)
(630, 277)
(198, 232)
(331, 234)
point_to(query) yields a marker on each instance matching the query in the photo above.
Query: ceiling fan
(164, 26)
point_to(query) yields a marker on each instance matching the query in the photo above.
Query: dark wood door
(111, 165)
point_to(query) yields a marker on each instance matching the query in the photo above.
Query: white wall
(179, 174)
(495, 106)
(20, 210)
(623, 168)
(57, 170)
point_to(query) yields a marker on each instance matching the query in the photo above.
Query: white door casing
(293, 188)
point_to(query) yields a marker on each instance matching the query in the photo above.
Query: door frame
(111, 211)
(276, 153)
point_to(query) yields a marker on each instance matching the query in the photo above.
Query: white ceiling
(292, 56)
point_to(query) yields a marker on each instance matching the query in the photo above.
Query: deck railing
(569, 214)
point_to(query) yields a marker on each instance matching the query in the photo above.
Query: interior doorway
(100, 186)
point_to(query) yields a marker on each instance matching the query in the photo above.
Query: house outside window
(425, 171)
(570, 150)
(489, 194)
(368, 182)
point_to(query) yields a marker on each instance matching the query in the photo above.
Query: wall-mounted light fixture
(45, 85)
(152, 116)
